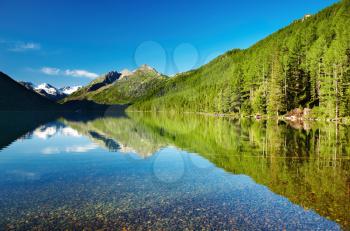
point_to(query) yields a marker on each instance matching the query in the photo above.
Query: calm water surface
(158, 171)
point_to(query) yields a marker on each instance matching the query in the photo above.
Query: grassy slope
(15, 97)
(83, 93)
(129, 89)
(126, 90)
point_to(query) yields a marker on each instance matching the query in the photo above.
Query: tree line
(305, 65)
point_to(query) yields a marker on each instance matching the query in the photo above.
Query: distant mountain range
(50, 91)
(109, 89)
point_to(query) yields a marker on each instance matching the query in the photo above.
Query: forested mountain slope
(303, 65)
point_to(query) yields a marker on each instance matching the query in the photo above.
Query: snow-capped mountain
(50, 91)
(28, 85)
(69, 90)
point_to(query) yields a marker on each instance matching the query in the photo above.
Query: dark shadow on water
(90, 106)
(16, 124)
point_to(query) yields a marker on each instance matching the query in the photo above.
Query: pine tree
(336, 84)
(315, 64)
(237, 91)
(226, 103)
(276, 100)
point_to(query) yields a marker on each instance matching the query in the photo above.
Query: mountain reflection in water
(307, 164)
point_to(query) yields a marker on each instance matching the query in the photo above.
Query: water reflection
(307, 164)
(120, 134)
(309, 167)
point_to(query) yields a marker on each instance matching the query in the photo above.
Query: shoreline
(256, 117)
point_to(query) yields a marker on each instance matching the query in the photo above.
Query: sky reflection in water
(74, 177)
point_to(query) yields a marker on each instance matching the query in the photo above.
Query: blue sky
(65, 42)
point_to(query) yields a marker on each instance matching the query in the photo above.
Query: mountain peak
(143, 69)
(28, 85)
(146, 67)
(104, 80)
(112, 75)
(49, 89)
(68, 90)
(125, 73)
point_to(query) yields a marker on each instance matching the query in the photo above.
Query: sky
(67, 43)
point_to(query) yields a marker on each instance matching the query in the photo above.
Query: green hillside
(127, 88)
(306, 64)
(15, 97)
(94, 86)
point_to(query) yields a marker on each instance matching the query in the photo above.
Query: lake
(141, 171)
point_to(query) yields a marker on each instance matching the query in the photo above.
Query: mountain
(49, 91)
(28, 85)
(16, 97)
(102, 81)
(120, 88)
(69, 90)
(306, 64)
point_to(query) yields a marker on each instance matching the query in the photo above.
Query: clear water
(171, 172)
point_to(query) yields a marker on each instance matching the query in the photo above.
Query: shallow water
(158, 171)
